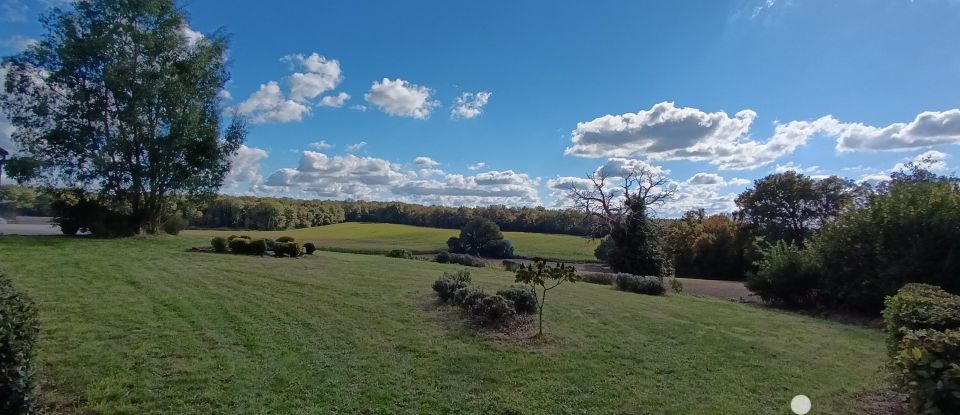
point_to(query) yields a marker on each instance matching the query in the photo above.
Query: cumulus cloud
(401, 98)
(268, 105)
(244, 168)
(935, 161)
(929, 128)
(356, 147)
(320, 145)
(469, 104)
(791, 166)
(353, 177)
(318, 75)
(335, 101)
(425, 161)
(476, 166)
(666, 132)
(358, 107)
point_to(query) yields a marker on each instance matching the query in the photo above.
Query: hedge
(923, 328)
(19, 326)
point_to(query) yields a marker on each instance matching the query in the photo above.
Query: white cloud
(225, 95)
(352, 148)
(493, 187)
(18, 43)
(469, 105)
(320, 145)
(319, 75)
(666, 132)
(13, 11)
(335, 101)
(476, 166)
(620, 167)
(791, 166)
(929, 128)
(425, 161)
(935, 161)
(353, 177)
(191, 35)
(268, 105)
(358, 107)
(244, 168)
(401, 98)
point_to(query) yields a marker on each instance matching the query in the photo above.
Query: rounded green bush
(522, 298)
(285, 239)
(239, 246)
(310, 248)
(443, 257)
(219, 244)
(640, 284)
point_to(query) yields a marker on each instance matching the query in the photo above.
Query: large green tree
(120, 99)
(789, 206)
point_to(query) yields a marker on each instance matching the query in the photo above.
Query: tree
(477, 233)
(789, 206)
(118, 100)
(539, 274)
(622, 209)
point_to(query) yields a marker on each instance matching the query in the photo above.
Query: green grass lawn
(144, 327)
(382, 237)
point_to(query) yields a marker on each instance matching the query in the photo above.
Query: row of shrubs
(244, 245)
(640, 284)
(498, 309)
(923, 329)
(462, 259)
(19, 327)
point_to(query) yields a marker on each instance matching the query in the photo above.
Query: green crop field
(141, 326)
(382, 237)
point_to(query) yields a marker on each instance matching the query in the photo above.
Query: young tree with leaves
(121, 99)
(539, 274)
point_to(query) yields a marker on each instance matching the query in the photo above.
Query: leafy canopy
(117, 99)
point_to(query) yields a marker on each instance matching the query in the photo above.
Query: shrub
(239, 246)
(310, 248)
(174, 225)
(918, 307)
(19, 326)
(923, 329)
(219, 244)
(285, 239)
(464, 296)
(787, 275)
(929, 366)
(472, 299)
(599, 278)
(499, 248)
(468, 260)
(270, 243)
(522, 297)
(400, 253)
(640, 284)
(450, 282)
(257, 247)
(493, 309)
(453, 244)
(443, 257)
(232, 237)
(290, 249)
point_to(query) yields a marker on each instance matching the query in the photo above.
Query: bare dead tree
(609, 196)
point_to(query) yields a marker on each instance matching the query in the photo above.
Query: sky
(506, 102)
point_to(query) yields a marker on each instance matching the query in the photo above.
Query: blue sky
(716, 93)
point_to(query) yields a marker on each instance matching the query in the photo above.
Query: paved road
(28, 229)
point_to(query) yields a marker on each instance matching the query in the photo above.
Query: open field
(142, 326)
(382, 237)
